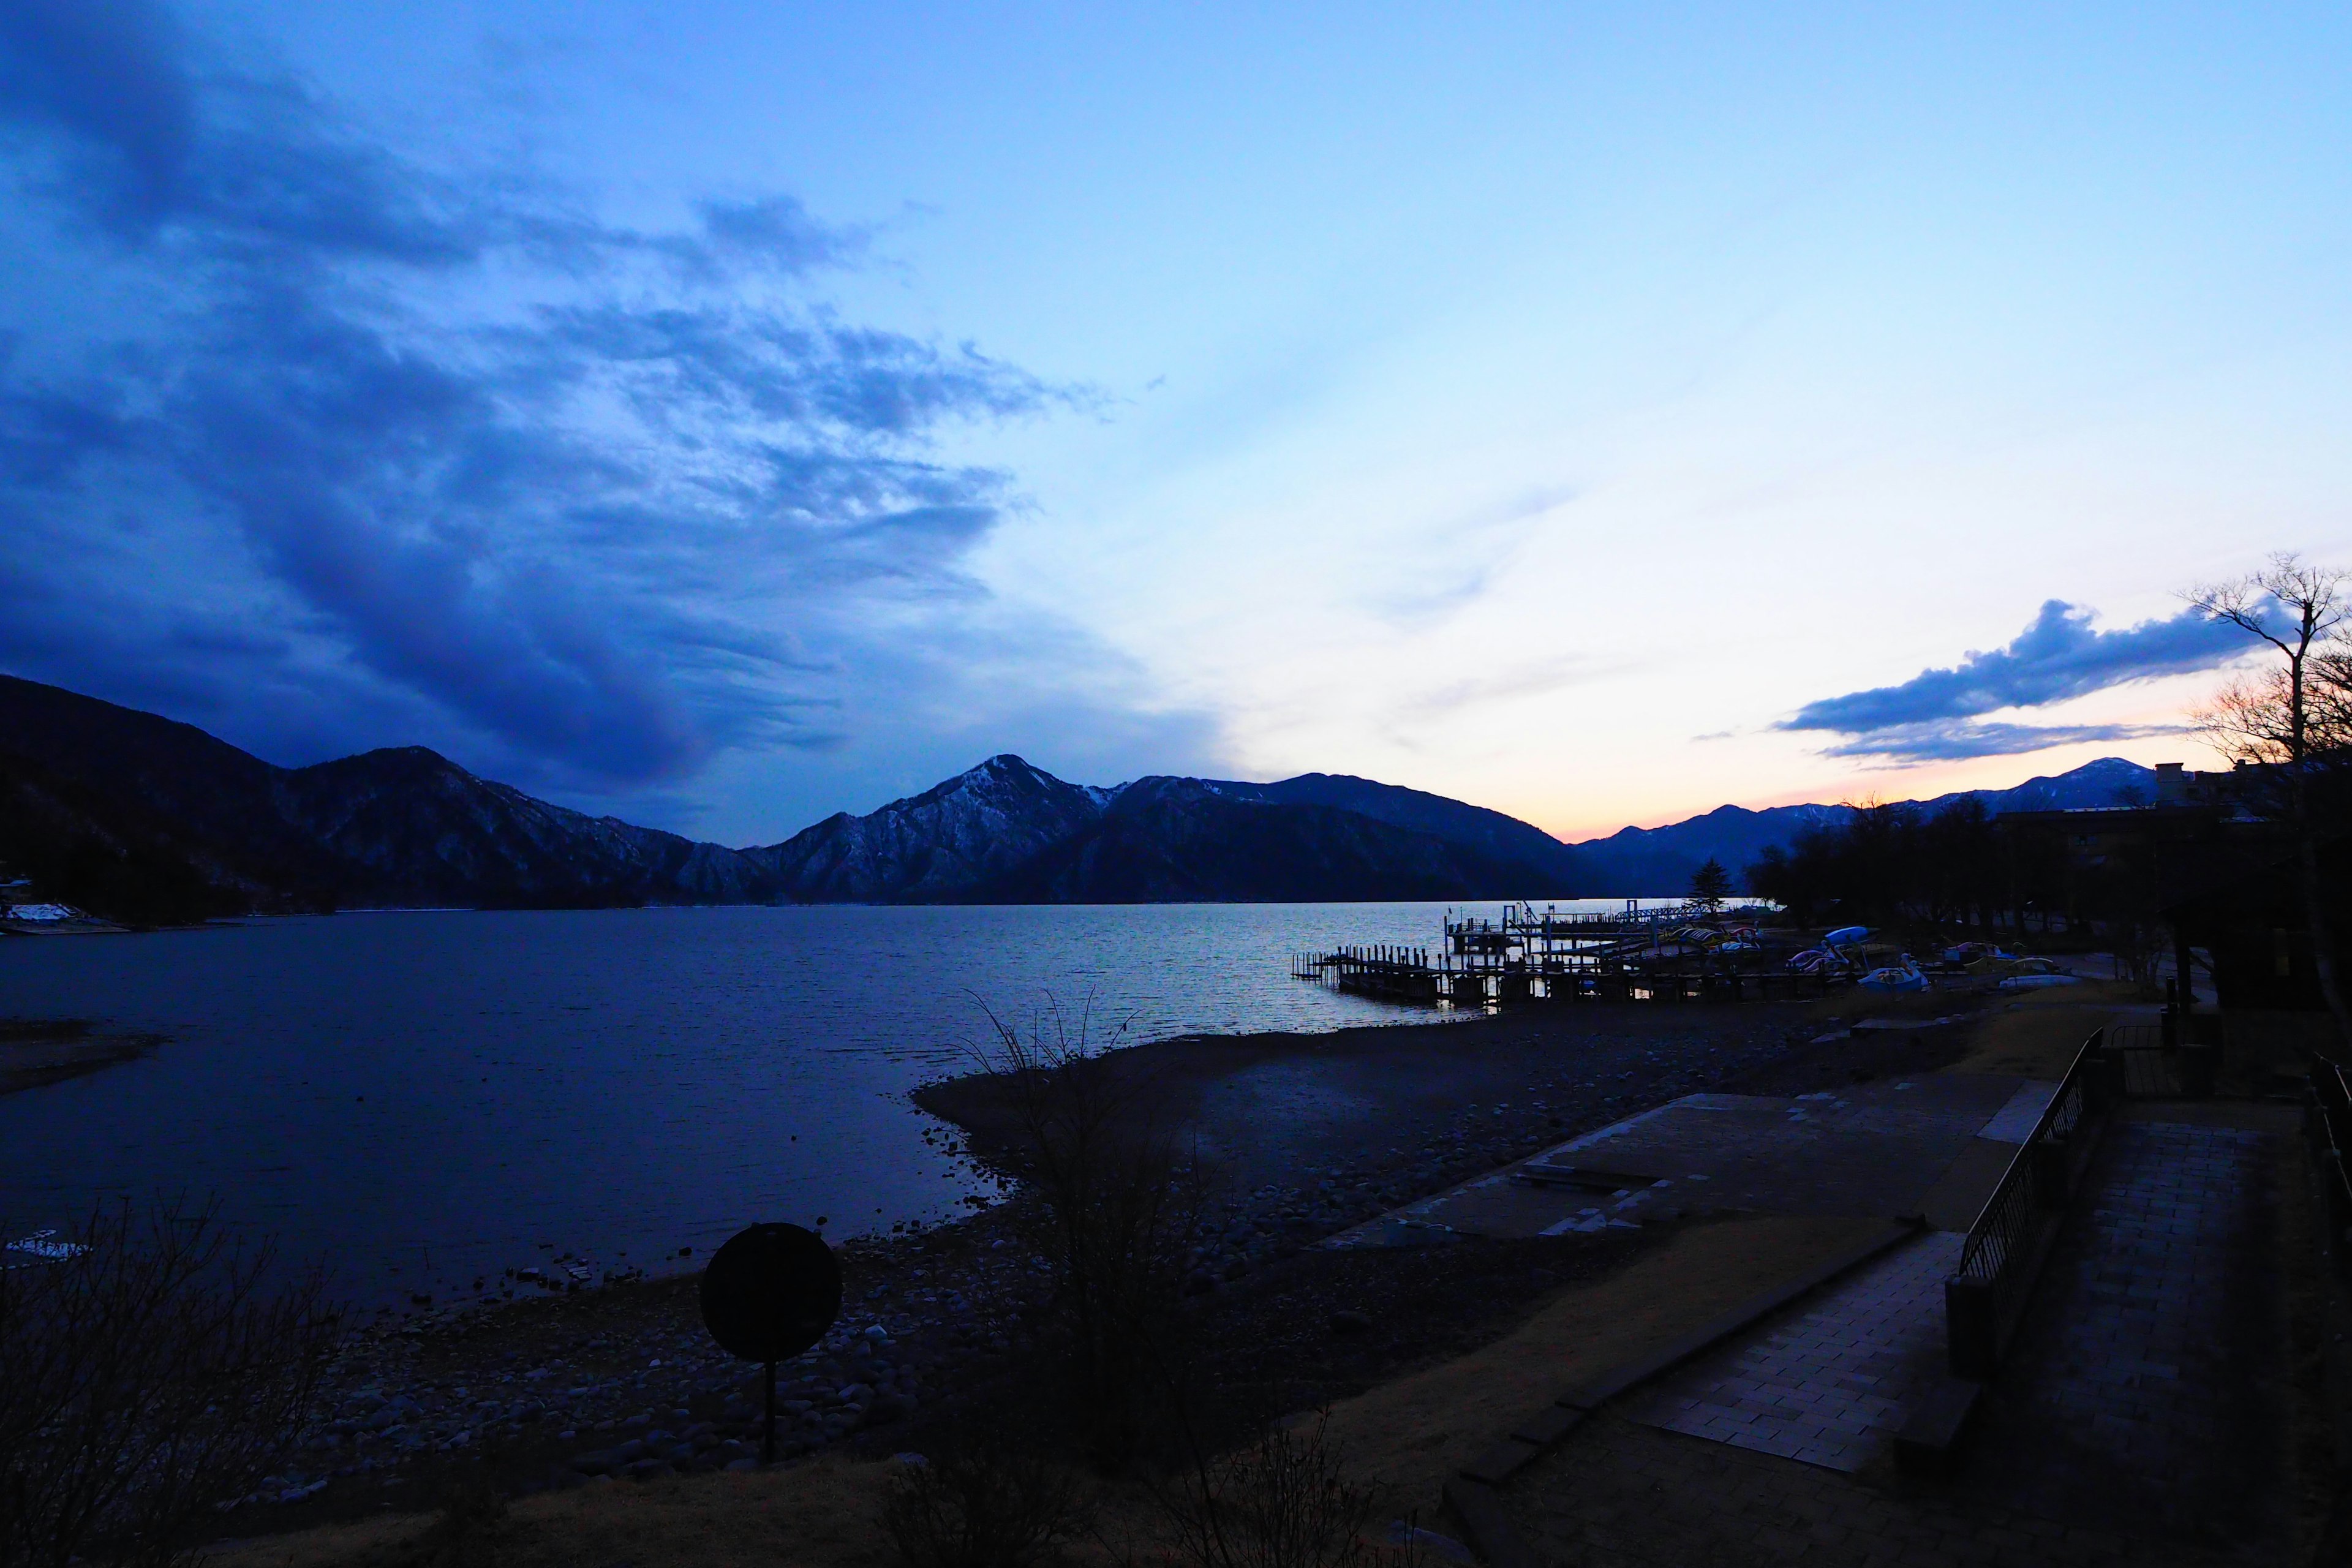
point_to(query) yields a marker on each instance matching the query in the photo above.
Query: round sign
(770, 1292)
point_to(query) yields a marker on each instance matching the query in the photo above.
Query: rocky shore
(587, 1387)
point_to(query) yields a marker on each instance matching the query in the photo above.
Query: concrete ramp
(1828, 1381)
(1873, 1151)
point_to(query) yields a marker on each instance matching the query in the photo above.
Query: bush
(472, 1530)
(147, 1380)
(996, 1507)
(1115, 1209)
(1281, 1502)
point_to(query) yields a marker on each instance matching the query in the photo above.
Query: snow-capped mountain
(111, 808)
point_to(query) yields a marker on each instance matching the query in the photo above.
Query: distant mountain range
(153, 821)
(1661, 860)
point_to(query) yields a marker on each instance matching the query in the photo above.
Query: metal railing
(1985, 1296)
(2156, 1064)
(2331, 1146)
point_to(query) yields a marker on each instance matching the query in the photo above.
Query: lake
(423, 1098)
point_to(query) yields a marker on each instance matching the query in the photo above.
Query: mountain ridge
(168, 822)
(1661, 860)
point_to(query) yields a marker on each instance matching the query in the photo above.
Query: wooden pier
(1664, 954)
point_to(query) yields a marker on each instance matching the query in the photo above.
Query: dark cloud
(2058, 656)
(622, 510)
(111, 74)
(1941, 740)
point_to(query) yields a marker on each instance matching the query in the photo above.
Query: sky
(722, 415)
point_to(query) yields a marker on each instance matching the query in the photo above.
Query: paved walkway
(1826, 1383)
(1623, 1495)
(2140, 1417)
(2148, 1390)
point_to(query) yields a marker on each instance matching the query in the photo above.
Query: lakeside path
(1316, 1132)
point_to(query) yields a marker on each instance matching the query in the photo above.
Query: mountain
(1500, 838)
(1635, 861)
(1009, 832)
(939, 845)
(406, 825)
(114, 800)
(129, 862)
(1175, 840)
(151, 820)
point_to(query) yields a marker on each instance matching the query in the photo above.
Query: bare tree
(149, 1377)
(2282, 719)
(1115, 1207)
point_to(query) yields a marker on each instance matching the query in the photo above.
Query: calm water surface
(426, 1098)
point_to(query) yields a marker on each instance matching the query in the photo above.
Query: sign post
(770, 1293)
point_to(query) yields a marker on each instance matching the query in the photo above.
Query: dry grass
(827, 1514)
(2038, 1035)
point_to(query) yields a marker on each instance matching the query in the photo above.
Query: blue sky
(723, 414)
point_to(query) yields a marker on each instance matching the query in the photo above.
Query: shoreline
(37, 1052)
(1313, 1134)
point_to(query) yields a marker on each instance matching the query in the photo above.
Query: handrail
(2332, 1099)
(1986, 1292)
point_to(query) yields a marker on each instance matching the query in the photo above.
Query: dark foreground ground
(1307, 1135)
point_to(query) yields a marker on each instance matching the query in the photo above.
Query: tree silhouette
(1710, 885)
(2280, 719)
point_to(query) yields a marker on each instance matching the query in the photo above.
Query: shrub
(1281, 1502)
(994, 1507)
(1115, 1209)
(148, 1379)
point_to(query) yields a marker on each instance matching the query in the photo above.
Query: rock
(647, 1469)
(746, 1465)
(1347, 1321)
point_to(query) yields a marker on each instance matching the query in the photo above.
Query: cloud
(2057, 657)
(110, 74)
(1936, 715)
(443, 449)
(1949, 740)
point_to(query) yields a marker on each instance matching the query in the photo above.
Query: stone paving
(1827, 1381)
(1623, 1495)
(2148, 1388)
(2139, 1418)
